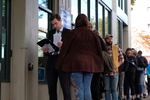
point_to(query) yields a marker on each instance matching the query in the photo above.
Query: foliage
(133, 2)
(145, 40)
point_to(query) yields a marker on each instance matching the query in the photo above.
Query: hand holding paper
(47, 48)
(59, 44)
(47, 45)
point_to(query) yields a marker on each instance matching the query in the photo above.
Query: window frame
(5, 62)
(104, 7)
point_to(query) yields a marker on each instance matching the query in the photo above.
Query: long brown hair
(81, 21)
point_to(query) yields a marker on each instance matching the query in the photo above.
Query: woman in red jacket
(81, 56)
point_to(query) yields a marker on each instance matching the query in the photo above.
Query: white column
(24, 84)
(114, 21)
(31, 36)
(18, 66)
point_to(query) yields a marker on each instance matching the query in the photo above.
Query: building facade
(24, 22)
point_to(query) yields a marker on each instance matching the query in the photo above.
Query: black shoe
(144, 95)
(138, 99)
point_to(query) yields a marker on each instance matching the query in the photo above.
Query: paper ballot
(47, 45)
(48, 48)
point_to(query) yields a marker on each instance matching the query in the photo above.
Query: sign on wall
(66, 18)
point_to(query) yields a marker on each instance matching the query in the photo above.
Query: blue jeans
(141, 83)
(111, 83)
(121, 85)
(80, 84)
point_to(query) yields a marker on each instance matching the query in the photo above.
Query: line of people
(88, 66)
(131, 83)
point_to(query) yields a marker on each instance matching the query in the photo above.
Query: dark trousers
(97, 86)
(129, 83)
(148, 85)
(52, 78)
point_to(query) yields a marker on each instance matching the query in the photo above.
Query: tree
(133, 2)
(144, 39)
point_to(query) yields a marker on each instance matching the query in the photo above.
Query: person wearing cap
(111, 68)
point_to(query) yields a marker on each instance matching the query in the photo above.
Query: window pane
(92, 13)
(43, 21)
(74, 10)
(106, 22)
(119, 3)
(41, 36)
(125, 6)
(120, 32)
(44, 24)
(43, 3)
(3, 28)
(84, 7)
(4, 40)
(122, 4)
(100, 19)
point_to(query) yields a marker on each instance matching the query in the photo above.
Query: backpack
(142, 62)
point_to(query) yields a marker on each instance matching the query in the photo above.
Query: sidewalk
(147, 98)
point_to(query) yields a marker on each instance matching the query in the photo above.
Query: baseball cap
(108, 35)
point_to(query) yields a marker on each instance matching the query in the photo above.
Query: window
(44, 25)
(106, 22)
(43, 3)
(125, 6)
(93, 12)
(74, 10)
(122, 4)
(83, 5)
(43, 21)
(119, 3)
(120, 33)
(5, 40)
(148, 14)
(98, 13)
(148, 26)
(100, 19)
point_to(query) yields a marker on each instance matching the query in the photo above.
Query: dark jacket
(142, 62)
(131, 65)
(52, 59)
(80, 52)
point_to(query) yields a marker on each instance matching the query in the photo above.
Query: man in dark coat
(56, 36)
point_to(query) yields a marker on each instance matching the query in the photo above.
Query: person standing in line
(121, 78)
(114, 59)
(130, 72)
(97, 83)
(148, 77)
(56, 36)
(81, 56)
(142, 63)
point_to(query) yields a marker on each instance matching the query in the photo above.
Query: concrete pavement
(147, 98)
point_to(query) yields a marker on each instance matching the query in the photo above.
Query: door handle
(30, 67)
